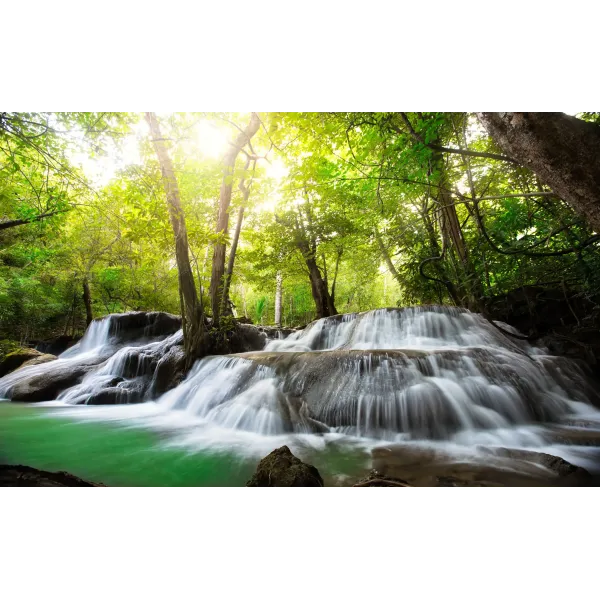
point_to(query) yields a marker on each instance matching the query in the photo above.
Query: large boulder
(22, 476)
(134, 326)
(47, 383)
(38, 360)
(282, 469)
(20, 357)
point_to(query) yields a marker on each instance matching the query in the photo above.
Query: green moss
(8, 347)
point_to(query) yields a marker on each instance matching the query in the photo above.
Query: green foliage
(346, 176)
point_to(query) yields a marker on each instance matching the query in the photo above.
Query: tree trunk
(563, 151)
(436, 259)
(225, 308)
(278, 299)
(335, 274)
(218, 266)
(191, 307)
(386, 257)
(245, 189)
(87, 300)
(469, 284)
(320, 293)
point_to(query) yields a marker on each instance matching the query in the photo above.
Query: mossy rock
(18, 357)
(282, 469)
(6, 347)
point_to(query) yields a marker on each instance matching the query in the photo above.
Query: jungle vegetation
(282, 218)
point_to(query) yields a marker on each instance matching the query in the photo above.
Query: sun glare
(277, 170)
(211, 140)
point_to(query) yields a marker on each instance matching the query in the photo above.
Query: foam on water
(427, 375)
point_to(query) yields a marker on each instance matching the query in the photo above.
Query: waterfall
(96, 336)
(425, 374)
(419, 373)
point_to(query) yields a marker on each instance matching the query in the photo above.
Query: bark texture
(323, 300)
(218, 266)
(278, 299)
(191, 307)
(245, 189)
(563, 151)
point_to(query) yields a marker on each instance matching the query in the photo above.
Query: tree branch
(444, 149)
(17, 222)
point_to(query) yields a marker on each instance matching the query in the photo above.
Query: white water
(96, 337)
(328, 385)
(421, 328)
(93, 347)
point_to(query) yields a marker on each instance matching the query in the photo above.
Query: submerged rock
(22, 476)
(282, 469)
(376, 479)
(421, 465)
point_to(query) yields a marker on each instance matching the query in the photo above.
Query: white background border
(287, 544)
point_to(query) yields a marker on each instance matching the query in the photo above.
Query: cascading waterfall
(421, 373)
(92, 349)
(434, 374)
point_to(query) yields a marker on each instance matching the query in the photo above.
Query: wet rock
(421, 465)
(17, 358)
(559, 467)
(57, 345)
(253, 338)
(564, 321)
(22, 476)
(170, 371)
(376, 479)
(38, 360)
(116, 395)
(342, 387)
(134, 326)
(48, 384)
(282, 469)
(577, 435)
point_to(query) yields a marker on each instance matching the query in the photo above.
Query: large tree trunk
(320, 293)
(436, 260)
(245, 189)
(563, 151)
(225, 306)
(191, 307)
(87, 300)
(218, 266)
(335, 275)
(278, 299)
(469, 285)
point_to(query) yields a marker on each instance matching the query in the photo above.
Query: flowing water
(427, 376)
